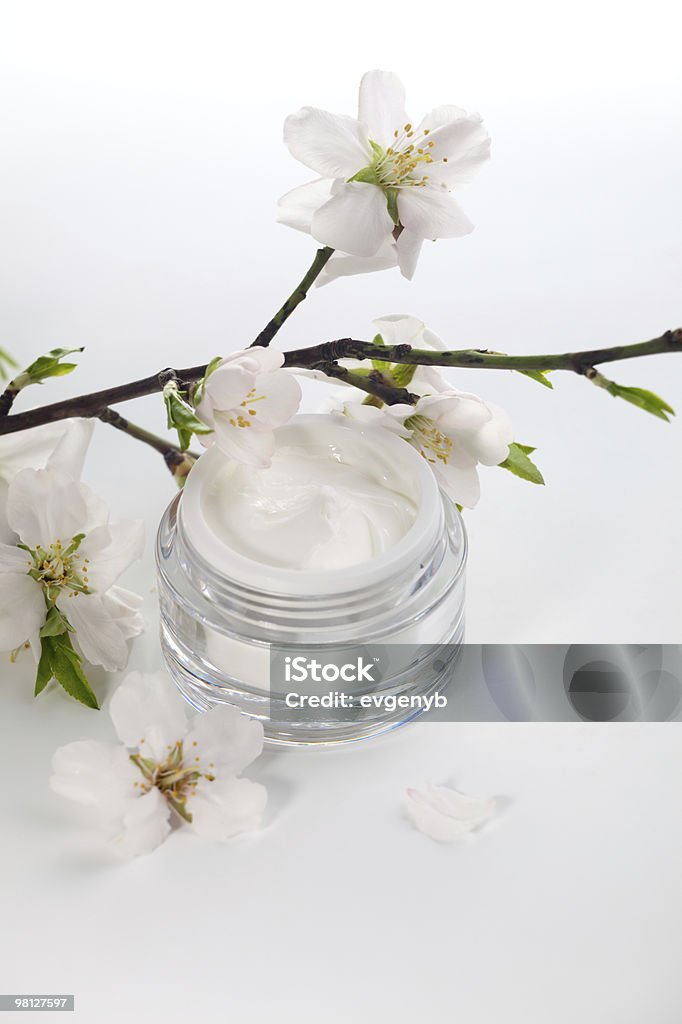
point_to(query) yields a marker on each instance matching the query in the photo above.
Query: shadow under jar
(343, 554)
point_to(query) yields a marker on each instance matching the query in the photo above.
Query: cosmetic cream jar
(256, 570)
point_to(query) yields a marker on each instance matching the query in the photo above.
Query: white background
(141, 161)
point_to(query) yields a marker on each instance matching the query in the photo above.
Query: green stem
(178, 462)
(322, 257)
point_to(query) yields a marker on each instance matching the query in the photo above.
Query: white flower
(400, 329)
(384, 183)
(244, 399)
(167, 765)
(394, 329)
(442, 813)
(68, 555)
(62, 445)
(452, 430)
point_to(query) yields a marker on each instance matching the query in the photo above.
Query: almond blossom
(243, 398)
(453, 430)
(63, 565)
(168, 767)
(384, 182)
(390, 330)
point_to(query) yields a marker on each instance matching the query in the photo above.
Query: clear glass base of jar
(199, 650)
(417, 682)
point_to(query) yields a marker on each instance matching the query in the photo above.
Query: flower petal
(443, 814)
(71, 449)
(466, 146)
(491, 442)
(22, 609)
(148, 711)
(399, 329)
(96, 774)
(332, 145)
(382, 105)
(7, 534)
(14, 559)
(226, 388)
(125, 608)
(31, 449)
(355, 220)
(27, 507)
(432, 213)
(432, 340)
(347, 266)
(455, 411)
(279, 396)
(440, 116)
(296, 208)
(111, 549)
(225, 738)
(408, 249)
(226, 808)
(459, 482)
(428, 380)
(145, 825)
(45, 505)
(252, 445)
(256, 360)
(384, 418)
(98, 635)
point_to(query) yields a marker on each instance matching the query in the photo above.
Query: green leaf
(55, 623)
(182, 417)
(392, 203)
(49, 365)
(643, 399)
(6, 364)
(367, 174)
(539, 375)
(44, 672)
(399, 374)
(518, 463)
(198, 392)
(65, 665)
(380, 364)
(402, 374)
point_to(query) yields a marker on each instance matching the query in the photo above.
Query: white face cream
(340, 506)
(330, 499)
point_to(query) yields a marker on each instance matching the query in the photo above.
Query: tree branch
(178, 462)
(324, 357)
(7, 398)
(322, 257)
(373, 383)
(578, 362)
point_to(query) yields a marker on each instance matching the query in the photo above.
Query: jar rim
(241, 569)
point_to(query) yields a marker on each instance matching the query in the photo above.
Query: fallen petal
(444, 814)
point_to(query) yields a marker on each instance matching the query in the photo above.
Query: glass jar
(233, 627)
